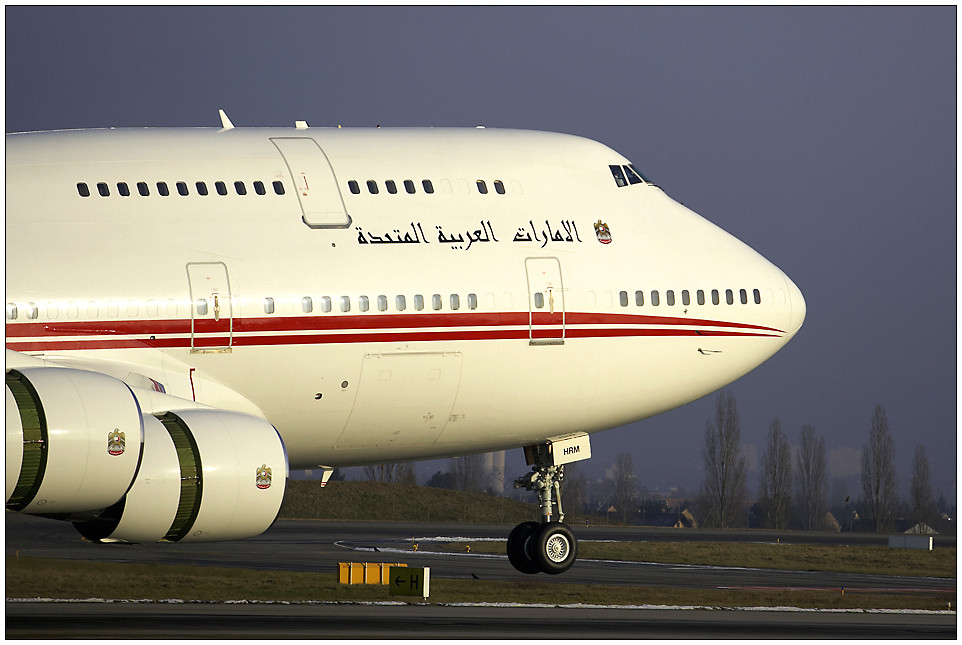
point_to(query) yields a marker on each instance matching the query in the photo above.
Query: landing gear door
(211, 308)
(546, 302)
(321, 203)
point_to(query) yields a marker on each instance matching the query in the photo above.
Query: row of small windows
(345, 304)
(364, 303)
(410, 187)
(654, 299)
(182, 188)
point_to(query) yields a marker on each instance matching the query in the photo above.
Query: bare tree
(574, 489)
(469, 473)
(624, 485)
(878, 472)
(776, 483)
(923, 502)
(391, 473)
(725, 468)
(811, 479)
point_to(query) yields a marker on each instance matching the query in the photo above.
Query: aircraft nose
(797, 304)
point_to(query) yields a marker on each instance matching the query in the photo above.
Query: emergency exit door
(211, 309)
(546, 301)
(320, 199)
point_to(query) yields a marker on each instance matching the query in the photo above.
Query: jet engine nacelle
(206, 475)
(73, 440)
(78, 447)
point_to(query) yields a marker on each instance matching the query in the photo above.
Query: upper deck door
(546, 301)
(321, 203)
(211, 309)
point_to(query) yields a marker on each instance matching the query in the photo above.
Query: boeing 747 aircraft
(192, 312)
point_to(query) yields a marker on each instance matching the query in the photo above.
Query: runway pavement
(320, 545)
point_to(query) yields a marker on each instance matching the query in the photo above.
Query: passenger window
(182, 189)
(639, 298)
(143, 189)
(391, 186)
(355, 189)
(400, 303)
(700, 295)
(307, 305)
(623, 298)
(655, 299)
(630, 174)
(499, 186)
(455, 302)
(123, 189)
(268, 305)
(472, 301)
(758, 296)
(83, 190)
(11, 311)
(482, 187)
(103, 189)
(618, 175)
(436, 302)
(201, 188)
(729, 296)
(240, 188)
(538, 300)
(326, 304)
(32, 310)
(670, 298)
(278, 187)
(221, 187)
(259, 188)
(743, 296)
(409, 186)
(685, 298)
(428, 186)
(382, 303)
(714, 297)
(418, 302)
(345, 302)
(201, 306)
(162, 189)
(372, 186)
(363, 303)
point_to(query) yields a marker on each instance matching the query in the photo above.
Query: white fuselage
(399, 325)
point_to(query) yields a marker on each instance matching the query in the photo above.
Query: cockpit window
(632, 176)
(627, 175)
(639, 173)
(618, 175)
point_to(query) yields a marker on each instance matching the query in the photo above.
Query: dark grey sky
(824, 137)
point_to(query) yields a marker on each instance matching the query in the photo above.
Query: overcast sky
(824, 137)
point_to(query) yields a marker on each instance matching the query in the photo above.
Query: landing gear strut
(548, 546)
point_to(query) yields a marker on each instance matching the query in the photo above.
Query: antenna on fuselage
(224, 121)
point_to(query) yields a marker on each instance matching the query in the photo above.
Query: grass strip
(881, 560)
(30, 577)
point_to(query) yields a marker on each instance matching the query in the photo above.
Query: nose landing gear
(548, 546)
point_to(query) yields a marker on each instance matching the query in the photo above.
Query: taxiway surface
(320, 545)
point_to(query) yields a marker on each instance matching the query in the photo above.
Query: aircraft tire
(554, 548)
(519, 547)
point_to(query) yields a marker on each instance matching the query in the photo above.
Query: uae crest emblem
(116, 442)
(263, 477)
(603, 232)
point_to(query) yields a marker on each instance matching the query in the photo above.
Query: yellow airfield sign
(410, 581)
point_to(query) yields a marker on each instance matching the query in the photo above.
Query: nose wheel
(548, 546)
